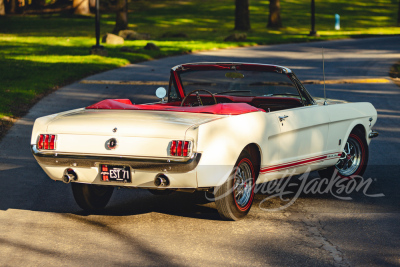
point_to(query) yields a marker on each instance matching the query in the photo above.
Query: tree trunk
(81, 7)
(398, 15)
(274, 19)
(121, 22)
(92, 3)
(13, 6)
(2, 8)
(242, 15)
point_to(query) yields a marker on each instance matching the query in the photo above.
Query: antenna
(323, 72)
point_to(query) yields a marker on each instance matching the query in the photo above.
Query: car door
(303, 138)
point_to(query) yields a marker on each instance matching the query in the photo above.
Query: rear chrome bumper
(139, 163)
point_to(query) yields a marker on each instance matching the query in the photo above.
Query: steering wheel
(198, 97)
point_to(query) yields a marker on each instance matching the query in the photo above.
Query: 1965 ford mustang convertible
(220, 127)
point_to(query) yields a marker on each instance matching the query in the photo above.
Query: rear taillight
(185, 148)
(172, 151)
(52, 142)
(47, 142)
(180, 148)
(40, 142)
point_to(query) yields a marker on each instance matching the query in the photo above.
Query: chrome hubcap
(350, 159)
(243, 183)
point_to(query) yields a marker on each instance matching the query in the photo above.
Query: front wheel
(354, 159)
(91, 198)
(234, 197)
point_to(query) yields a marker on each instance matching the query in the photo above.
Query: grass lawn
(39, 53)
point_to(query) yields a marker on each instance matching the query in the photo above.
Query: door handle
(282, 118)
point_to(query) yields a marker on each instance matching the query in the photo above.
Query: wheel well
(255, 154)
(359, 128)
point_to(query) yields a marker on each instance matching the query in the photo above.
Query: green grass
(214, 20)
(31, 66)
(40, 53)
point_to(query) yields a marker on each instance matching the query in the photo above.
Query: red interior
(267, 103)
(227, 105)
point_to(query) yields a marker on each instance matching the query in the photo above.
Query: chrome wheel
(351, 158)
(243, 183)
(234, 197)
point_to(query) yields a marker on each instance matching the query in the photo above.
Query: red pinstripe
(297, 163)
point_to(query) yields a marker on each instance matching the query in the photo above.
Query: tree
(2, 8)
(242, 15)
(81, 7)
(13, 6)
(274, 19)
(398, 15)
(121, 22)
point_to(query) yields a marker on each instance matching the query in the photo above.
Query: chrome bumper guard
(137, 163)
(373, 134)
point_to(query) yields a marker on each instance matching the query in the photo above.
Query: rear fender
(221, 143)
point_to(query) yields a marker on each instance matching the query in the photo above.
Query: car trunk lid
(137, 133)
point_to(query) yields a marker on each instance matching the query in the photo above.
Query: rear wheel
(354, 158)
(235, 197)
(91, 198)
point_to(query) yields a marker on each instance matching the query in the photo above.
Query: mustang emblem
(111, 144)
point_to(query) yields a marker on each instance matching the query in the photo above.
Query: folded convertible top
(220, 109)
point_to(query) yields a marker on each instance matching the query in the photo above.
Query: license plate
(112, 173)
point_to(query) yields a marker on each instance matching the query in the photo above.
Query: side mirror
(161, 92)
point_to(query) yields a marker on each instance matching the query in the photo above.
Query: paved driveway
(40, 224)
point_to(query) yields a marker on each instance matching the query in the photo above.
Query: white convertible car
(220, 127)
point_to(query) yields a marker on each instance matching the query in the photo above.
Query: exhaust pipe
(69, 175)
(161, 180)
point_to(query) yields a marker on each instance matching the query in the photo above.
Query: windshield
(238, 83)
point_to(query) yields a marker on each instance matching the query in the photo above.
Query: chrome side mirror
(161, 92)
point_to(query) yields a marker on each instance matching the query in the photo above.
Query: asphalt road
(40, 224)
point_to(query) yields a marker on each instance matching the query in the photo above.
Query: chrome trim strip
(373, 134)
(284, 69)
(169, 165)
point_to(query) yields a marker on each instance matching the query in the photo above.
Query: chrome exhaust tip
(69, 175)
(161, 180)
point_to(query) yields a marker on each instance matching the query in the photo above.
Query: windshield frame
(176, 92)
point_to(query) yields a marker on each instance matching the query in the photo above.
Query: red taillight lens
(185, 148)
(40, 143)
(52, 141)
(179, 149)
(47, 141)
(173, 148)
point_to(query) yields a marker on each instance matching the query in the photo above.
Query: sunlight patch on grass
(72, 59)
